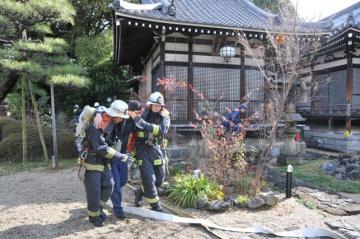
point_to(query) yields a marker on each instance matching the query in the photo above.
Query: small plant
(242, 183)
(187, 190)
(242, 200)
(175, 169)
(308, 203)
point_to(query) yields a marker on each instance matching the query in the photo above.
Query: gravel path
(45, 203)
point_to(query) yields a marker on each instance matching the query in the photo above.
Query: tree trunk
(23, 118)
(8, 84)
(38, 121)
(53, 117)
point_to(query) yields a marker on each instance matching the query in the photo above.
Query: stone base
(332, 141)
(284, 159)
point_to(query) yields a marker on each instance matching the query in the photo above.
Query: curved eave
(217, 27)
(137, 42)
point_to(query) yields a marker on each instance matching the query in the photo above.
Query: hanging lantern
(280, 39)
(227, 52)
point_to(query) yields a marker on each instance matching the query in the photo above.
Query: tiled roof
(239, 14)
(343, 18)
(339, 22)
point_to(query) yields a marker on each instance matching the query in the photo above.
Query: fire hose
(185, 218)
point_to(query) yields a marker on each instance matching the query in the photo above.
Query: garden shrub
(187, 190)
(11, 143)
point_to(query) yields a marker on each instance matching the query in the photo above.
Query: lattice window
(356, 87)
(217, 83)
(321, 90)
(176, 92)
(220, 87)
(337, 91)
(254, 86)
(254, 90)
(331, 89)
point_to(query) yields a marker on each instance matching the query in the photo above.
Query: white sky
(314, 10)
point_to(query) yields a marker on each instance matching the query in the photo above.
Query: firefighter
(152, 127)
(98, 177)
(119, 141)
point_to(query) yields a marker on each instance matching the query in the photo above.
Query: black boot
(120, 214)
(138, 197)
(97, 221)
(156, 207)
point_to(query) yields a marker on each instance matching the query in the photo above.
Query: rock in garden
(161, 191)
(351, 208)
(256, 203)
(218, 206)
(269, 198)
(202, 202)
(333, 224)
(333, 211)
(328, 166)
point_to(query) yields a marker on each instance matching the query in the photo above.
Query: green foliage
(187, 190)
(10, 149)
(28, 52)
(92, 17)
(311, 172)
(43, 60)
(275, 6)
(242, 200)
(94, 51)
(242, 183)
(308, 203)
(27, 15)
(175, 169)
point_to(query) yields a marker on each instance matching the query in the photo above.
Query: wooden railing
(329, 110)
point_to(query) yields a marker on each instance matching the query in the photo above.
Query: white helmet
(155, 98)
(96, 104)
(117, 108)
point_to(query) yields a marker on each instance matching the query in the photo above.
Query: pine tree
(28, 52)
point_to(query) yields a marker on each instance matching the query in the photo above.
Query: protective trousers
(98, 187)
(152, 176)
(120, 173)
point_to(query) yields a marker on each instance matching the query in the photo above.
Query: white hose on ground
(306, 232)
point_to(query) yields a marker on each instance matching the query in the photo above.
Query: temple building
(194, 42)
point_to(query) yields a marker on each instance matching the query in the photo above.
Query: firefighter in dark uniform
(152, 127)
(98, 177)
(119, 140)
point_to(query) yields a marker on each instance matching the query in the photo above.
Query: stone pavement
(347, 206)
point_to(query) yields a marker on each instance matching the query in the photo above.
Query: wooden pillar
(330, 124)
(53, 117)
(242, 73)
(162, 72)
(267, 84)
(349, 86)
(190, 76)
(311, 88)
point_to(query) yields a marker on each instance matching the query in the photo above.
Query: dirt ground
(51, 204)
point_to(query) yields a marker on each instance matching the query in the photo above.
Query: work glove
(124, 158)
(130, 158)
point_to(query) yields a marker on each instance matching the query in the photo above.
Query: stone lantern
(292, 151)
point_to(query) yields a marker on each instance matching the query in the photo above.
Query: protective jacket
(98, 178)
(150, 151)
